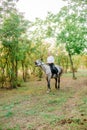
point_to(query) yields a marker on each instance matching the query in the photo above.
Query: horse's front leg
(48, 84)
(58, 82)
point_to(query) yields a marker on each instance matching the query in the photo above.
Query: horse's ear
(41, 59)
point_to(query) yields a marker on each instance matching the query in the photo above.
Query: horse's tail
(61, 72)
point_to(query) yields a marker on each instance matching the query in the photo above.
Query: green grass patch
(17, 127)
(31, 112)
(83, 106)
(50, 118)
(30, 127)
(57, 101)
(79, 73)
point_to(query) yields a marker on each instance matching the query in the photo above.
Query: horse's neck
(44, 66)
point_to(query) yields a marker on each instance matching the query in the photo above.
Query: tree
(12, 29)
(73, 30)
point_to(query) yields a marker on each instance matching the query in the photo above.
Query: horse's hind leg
(56, 83)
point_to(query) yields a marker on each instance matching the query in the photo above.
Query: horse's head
(38, 63)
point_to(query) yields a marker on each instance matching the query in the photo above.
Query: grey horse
(49, 75)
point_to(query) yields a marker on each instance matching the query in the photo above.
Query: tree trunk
(66, 65)
(13, 76)
(16, 69)
(73, 72)
(23, 70)
(3, 76)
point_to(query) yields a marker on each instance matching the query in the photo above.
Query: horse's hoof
(48, 91)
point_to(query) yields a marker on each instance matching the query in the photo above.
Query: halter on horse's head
(38, 62)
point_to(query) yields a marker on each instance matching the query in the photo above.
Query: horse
(46, 68)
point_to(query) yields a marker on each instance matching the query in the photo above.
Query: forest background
(23, 41)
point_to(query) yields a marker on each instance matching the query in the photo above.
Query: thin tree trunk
(16, 69)
(73, 72)
(3, 76)
(23, 70)
(67, 64)
(13, 76)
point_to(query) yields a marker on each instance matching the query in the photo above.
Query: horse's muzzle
(35, 63)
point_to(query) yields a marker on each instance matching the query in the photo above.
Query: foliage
(72, 29)
(22, 41)
(12, 29)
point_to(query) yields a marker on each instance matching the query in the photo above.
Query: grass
(79, 73)
(30, 108)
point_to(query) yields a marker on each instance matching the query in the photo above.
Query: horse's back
(60, 69)
(48, 70)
